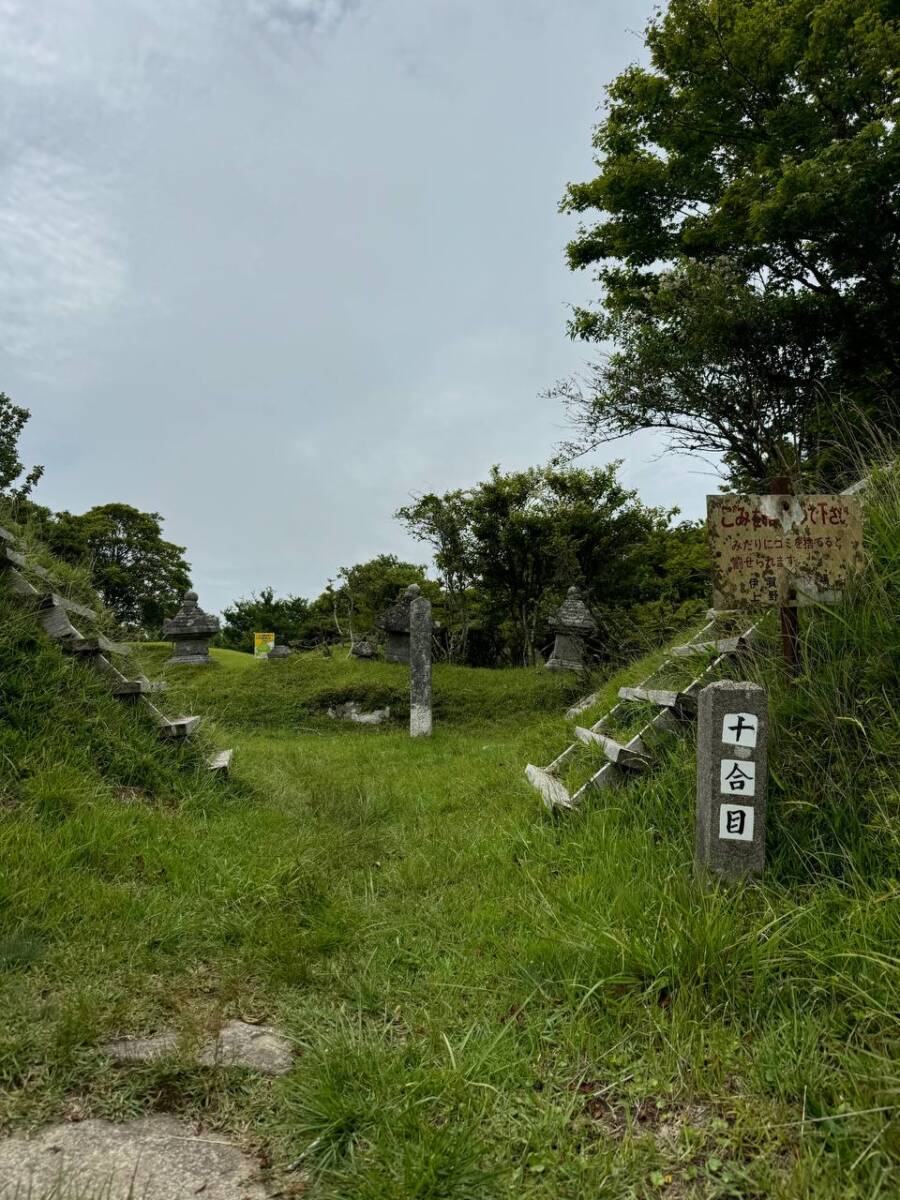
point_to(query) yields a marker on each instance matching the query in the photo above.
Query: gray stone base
(153, 1158)
(563, 664)
(190, 660)
(568, 654)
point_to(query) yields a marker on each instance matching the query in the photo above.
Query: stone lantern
(279, 651)
(395, 623)
(572, 623)
(191, 629)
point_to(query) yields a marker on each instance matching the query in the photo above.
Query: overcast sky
(268, 267)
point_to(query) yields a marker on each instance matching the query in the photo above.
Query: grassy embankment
(486, 1001)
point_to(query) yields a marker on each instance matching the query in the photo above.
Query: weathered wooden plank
(129, 688)
(96, 645)
(171, 727)
(52, 600)
(221, 761)
(175, 728)
(582, 705)
(20, 586)
(553, 793)
(682, 702)
(632, 757)
(732, 645)
(6, 536)
(10, 557)
(57, 625)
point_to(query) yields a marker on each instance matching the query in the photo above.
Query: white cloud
(282, 17)
(59, 258)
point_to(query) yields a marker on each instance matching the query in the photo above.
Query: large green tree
(12, 421)
(745, 230)
(288, 617)
(510, 546)
(345, 611)
(140, 575)
(358, 595)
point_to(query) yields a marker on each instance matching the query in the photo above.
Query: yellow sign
(262, 644)
(786, 550)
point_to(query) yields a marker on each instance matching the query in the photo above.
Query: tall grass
(484, 1000)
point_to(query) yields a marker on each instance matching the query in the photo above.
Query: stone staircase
(675, 707)
(55, 611)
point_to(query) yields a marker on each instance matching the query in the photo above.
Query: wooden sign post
(789, 615)
(782, 550)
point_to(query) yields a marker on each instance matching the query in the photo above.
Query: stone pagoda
(573, 624)
(191, 629)
(395, 623)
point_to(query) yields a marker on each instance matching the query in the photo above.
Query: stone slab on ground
(152, 1158)
(237, 1044)
(142, 1049)
(351, 711)
(259, 1047)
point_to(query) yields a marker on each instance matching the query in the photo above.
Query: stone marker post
(572, 623)
(420, 667)
(732, 743)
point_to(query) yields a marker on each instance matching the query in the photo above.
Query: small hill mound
(257, 694)
(65, 739)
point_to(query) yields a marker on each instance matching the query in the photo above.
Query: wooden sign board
(784, 550)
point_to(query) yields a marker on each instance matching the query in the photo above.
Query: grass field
(485, 1001)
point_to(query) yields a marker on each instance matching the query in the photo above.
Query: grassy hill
(486, 1001)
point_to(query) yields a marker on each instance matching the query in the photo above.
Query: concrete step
(632, 757)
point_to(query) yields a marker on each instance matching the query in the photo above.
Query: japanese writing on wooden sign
(732, 738)
(785, 550)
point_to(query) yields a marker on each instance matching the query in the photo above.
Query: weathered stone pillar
(395, 623)
(191, 629)
(732, 745)
(420, 667)
(572, 623)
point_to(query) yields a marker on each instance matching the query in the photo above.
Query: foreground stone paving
(153, 1158)
(237, 1044)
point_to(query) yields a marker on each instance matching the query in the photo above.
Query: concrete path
(153, 1158)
